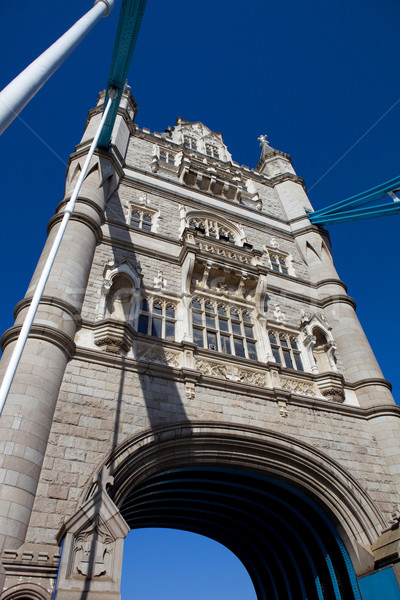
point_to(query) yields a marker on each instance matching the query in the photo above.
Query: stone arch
(262, 494)
(26, 591)
(252, 449)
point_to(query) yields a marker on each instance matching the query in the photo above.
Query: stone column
(361, 367)
(28, 413)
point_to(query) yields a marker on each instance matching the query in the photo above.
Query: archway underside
(287, 543)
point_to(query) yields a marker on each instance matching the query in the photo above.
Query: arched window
(141, 220)
(167, 157)
(157, 318)
(217, 327)
(212, 228)
(285, 350)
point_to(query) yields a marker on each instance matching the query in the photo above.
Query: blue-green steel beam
(382, 210)
(375, 193)
(347, 210)
(130, 19)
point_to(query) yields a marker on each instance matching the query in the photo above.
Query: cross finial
(263, 141)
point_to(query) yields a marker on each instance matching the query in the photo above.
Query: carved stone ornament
(298, 386)
(190, 390)
(333, 394)
(213, 248)
(158, 354)
(112, 336)
(231, 372)
(92, 552)
(282, 405)
(91, 559)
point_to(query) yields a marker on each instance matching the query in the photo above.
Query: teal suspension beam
(353, 209)
(130, 19)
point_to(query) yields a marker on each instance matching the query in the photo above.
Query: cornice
(243, 389)
(81, 200)
(332, 281)
(371, 381)
(144, 250)
(297, 296)
(338, 299)
(184, 195)
(80, 218)
(388, 410)
(287, 177)
(42, 332)
(50, 301)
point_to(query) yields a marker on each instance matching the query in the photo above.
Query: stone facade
(191, 300)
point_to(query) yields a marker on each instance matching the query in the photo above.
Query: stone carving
(278, 314)
(160, 283)
(190, 390)
(92, 552)
(113, 344)
(253, 377)
(158, 354)
(231, 372)
(113, 336)
(334, 394)
(211, 368)
(228, 252)
(263, 140)
(173, 358)
(298, 386)
(282, 405)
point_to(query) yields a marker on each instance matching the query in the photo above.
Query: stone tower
(195, 363)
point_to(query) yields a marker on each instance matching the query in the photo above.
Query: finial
(263, 141)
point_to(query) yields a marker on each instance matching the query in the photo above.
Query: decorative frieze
(232, 372)
(227, 252)
(298, 386)
(158, 354)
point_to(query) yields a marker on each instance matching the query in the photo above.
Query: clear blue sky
(317, 77)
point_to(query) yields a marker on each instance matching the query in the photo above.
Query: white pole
(21, 89)
(26, 327)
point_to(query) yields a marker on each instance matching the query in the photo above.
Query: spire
(272, 162)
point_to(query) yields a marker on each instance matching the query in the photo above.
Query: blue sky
(319, 78)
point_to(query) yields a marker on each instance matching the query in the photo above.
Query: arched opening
(186, 565)
(296, 519)
(320, 351)
(287, 543)
(120, 297)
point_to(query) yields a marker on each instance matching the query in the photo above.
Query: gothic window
(285, 350)
(141, 219)
(157, 318)
(279, 263)
(212, 151)
(167, 157)
(212, 229)
(190, 142)
(223, 329)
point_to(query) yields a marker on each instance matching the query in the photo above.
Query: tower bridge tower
(195, 363)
